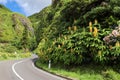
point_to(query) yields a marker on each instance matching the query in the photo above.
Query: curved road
(23, 70)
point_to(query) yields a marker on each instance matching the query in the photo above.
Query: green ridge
(12, 27)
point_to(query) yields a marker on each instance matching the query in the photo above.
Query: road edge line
(13, 69)
(52, 75)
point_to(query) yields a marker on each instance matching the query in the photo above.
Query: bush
(5, 56)
(76, 46)
(8, 48)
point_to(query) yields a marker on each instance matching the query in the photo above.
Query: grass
(84, 72)
(12, 56)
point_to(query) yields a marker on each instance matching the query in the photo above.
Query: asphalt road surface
(23, 70)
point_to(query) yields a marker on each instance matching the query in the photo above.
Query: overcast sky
(26, 7)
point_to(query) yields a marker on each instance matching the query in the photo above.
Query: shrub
(76, 46)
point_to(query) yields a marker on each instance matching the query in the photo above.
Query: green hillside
(62, 14)
(73, 31)
(16, 31)
(81, 38)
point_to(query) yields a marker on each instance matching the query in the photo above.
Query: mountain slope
(52, 20)
(12, 29)
(72, 31)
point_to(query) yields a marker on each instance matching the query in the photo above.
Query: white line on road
(46, 72)
(13, 68)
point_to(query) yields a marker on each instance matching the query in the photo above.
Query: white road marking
(46, 72)
(13, 68)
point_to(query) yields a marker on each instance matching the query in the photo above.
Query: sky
(26, 7)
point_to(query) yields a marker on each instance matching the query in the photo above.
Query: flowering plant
(113, 37)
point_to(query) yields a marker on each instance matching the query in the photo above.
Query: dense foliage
(57, 17)
(16, 32)
(77, 46)
(63, 34)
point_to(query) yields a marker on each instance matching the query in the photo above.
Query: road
(23, 70)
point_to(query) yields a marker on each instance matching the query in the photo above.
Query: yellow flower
(90, 29)
(74, 28)
(96, 22)
(95, 33)
(117, 44)
(90, 24)
(59, 46)
(65, 37)
(69, 28)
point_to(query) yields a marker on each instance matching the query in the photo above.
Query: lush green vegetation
(16, 32)
(83, 72)
(68, 32)
(75, 47)
(11, 56)
(16, 35)
(62, 14)
(71, 32)
(74, 33)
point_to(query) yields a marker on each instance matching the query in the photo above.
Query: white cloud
(32, 6)
(3, 1)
